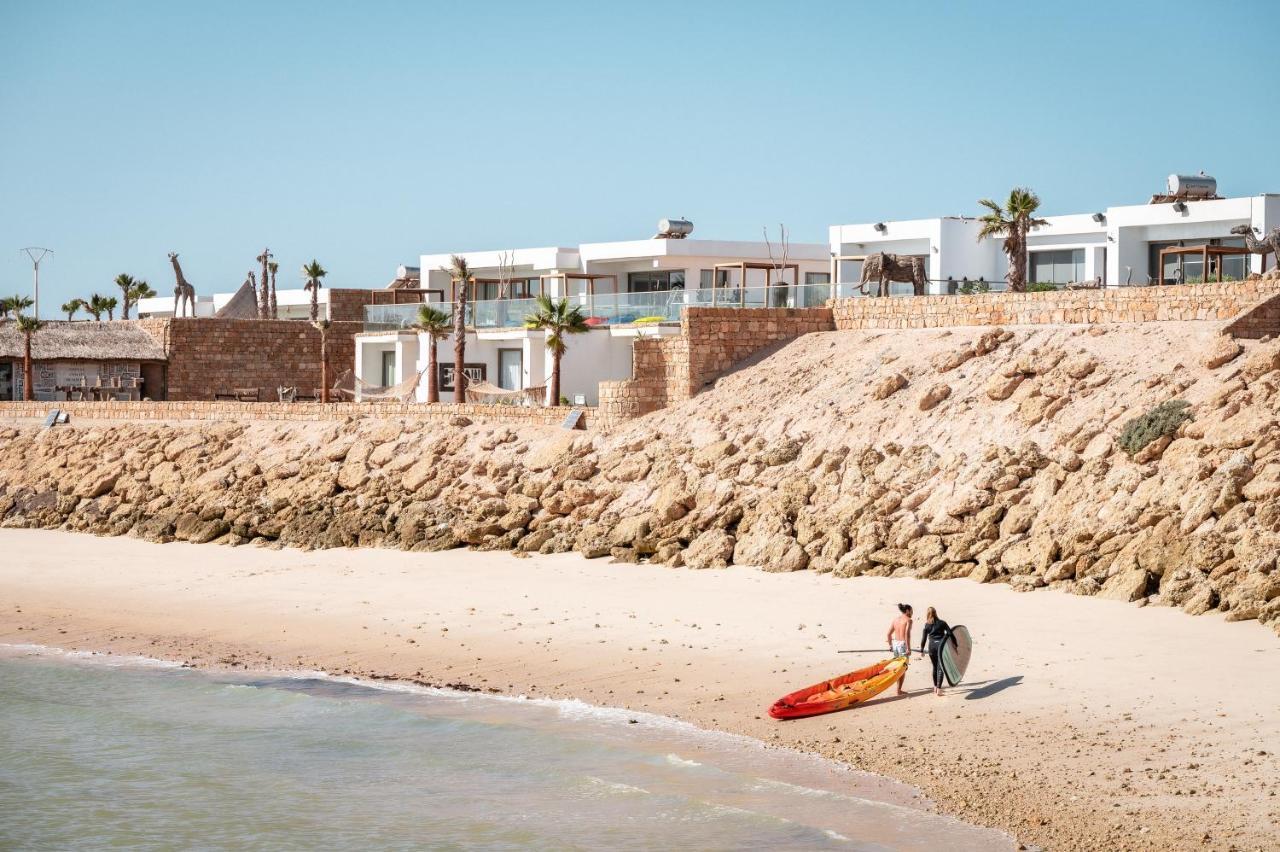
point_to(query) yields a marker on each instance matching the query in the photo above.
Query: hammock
(345, 386)
(487, 394)
(401, 392)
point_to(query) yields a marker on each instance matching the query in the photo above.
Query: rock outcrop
(1004, 467)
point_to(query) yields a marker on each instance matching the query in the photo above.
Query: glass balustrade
(604, 309)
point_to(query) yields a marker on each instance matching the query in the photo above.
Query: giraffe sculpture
(1270, 244)
(275, 308)
(264, 291)
(183, 291)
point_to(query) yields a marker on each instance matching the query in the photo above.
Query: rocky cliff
(1051, 456)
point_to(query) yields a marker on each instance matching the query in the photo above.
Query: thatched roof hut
(82, 341)
(243, 305)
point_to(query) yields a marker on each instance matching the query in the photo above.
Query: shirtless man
(899, 637)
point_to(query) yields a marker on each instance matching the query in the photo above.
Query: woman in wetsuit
(936, 632)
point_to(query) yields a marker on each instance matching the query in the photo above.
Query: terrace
(655, 308)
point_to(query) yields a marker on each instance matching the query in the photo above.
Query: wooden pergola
(475, 282)
(590, 277)
(1206, 252)
(403, 296)
(742, 266)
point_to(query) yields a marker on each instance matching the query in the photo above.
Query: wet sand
(1083, 724)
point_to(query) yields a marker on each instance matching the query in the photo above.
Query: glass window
(388, 368)
(1060, 266)
(817, 278)
(653, 281)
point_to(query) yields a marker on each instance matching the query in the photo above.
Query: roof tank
(674, 229)
(1192, 186)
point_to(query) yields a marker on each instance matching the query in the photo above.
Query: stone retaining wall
(208, 356)
(249, 411)
(1110, 305)
(669, 370)
(1261, 320)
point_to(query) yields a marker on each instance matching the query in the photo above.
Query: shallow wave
(677, 760)
(99, 657)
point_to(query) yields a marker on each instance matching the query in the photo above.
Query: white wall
(369, 349)
(960, 254)
(592, 357)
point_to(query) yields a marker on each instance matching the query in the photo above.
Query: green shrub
(1041, 286)
(969, 288)
(1162, 420)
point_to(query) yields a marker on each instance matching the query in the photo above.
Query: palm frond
(433, 322)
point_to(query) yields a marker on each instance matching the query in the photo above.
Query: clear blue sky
(366, 134)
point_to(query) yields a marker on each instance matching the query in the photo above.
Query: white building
(626, 289)
(1116, 245)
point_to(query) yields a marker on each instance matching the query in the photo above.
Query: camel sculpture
(183, 291)
(884, 268)
(1270, 244)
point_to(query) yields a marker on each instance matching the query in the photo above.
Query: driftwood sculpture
(183, 291)
(884, 268)
(1270, 244)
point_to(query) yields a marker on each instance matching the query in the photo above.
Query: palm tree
(97, 305)
(125, 283)
(15, 305)
(1013, 222)
(70, 308)
(313, 272)
(110, 304)
(132, 290)
(323, 327)
(460, 273)
(558, 320)
(435, 325)
(141, 290)
(28, 326)
(273, 267)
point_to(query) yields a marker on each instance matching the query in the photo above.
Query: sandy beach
(1084, 724)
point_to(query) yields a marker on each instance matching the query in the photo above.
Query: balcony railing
(662, 306)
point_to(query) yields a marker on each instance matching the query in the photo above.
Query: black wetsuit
(935, 633)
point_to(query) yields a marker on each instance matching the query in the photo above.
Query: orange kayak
(846, 691)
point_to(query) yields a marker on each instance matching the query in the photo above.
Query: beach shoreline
(1075, 706)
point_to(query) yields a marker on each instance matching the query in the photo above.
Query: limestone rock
(1002, 387)
(711, 549)
(770, 551)
(888, 386)
(934, 395)
(1225, 349)
(98, 482)
(1126, 586)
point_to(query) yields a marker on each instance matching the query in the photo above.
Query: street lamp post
(36, 254)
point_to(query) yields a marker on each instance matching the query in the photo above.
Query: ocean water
(104, 752)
